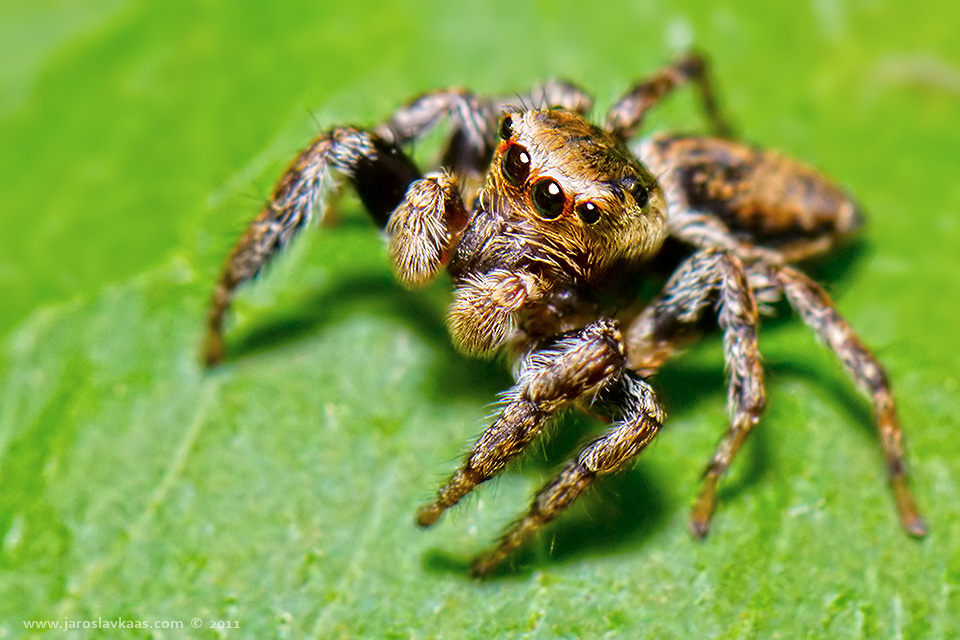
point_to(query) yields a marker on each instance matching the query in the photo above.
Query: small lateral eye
(506, 127)
(641, 195)
(548, 198)
(588, 212)
(636, 189)
(515, 164)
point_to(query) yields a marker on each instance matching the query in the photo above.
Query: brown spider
(545, 222)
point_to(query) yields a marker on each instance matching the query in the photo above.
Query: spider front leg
(812, 304)
(656, 333)
(640, 416)
(380, 172)
(578, 366)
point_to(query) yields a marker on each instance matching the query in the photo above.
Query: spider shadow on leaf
(378, 294)
(343, 299)
(617, 514)
(834, 389)
(685, 387)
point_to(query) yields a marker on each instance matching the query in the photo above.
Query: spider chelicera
(546, 223)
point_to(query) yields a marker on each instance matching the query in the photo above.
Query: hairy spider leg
(814, 306)
(475, 118)
(372, 161)
(657, 331)
(626, 116)
(549, 95)
(474, 127)
(379, 171)
(578, 366)
(639, 418)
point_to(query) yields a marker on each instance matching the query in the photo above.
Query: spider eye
(641, 195)
(548, 198)
(588, 212)
(515, 164)
(506, 127)
(636, 189)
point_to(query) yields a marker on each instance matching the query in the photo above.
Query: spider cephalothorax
(586, 199)
(540, 218)
(564, 201)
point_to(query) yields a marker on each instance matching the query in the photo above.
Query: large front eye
(548, 198)
(515, 164)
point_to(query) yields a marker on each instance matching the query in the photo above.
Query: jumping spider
(545, 223)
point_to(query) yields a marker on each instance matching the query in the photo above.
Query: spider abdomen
(760, 196)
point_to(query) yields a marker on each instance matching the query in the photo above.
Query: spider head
(575, 191)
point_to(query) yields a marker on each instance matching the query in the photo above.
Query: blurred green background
(138, 139)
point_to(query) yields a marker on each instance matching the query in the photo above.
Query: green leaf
(277, 493)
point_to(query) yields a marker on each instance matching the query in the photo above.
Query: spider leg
(816, 309)
(666, 323)
(626, 115)
(474, 127)
(577, 366)
(549, 95)
(476, 117)
(379, 171)
(746, 399)
(640, 417)
(657, 332)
